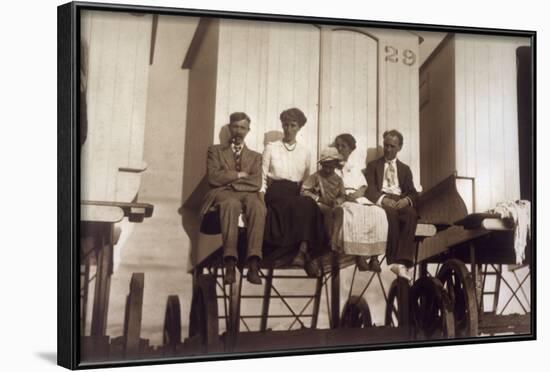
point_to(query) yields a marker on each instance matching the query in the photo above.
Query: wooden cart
(218, 325)
(469, 258)
(98, 236)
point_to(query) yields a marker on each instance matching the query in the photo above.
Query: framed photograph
(242, 185)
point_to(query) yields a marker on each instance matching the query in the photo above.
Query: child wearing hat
(326, 187)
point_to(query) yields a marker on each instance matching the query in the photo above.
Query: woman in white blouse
(293, 221)
(361, 226)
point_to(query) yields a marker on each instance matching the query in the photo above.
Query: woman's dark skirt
(291, 219)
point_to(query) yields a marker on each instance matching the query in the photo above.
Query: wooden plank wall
(118, 68)
(486, 116)
(349, 99)
(338, 77)
(398, 93)
(437, 116)
(331, 74)
(263, 69)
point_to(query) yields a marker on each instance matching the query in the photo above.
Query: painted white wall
(117, 86)
(158, 246)
(486, 127)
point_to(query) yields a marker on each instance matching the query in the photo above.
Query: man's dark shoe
(229, 277)
(374, 265)
(361, 263)
(312, 268)
(299, 260)
(253, 274)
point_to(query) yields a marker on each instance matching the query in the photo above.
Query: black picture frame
(69, 180)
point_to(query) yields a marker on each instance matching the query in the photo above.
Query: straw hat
(330, 153)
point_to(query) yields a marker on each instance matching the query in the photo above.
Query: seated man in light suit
(235, 175)
(390, 184)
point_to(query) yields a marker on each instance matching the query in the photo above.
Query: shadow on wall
(270, 136)
(373, 154)
(225, 134)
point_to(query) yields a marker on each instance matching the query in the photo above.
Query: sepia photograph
(259, 185)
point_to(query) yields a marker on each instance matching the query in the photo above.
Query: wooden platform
(318, 338)
(426, 229)
(490, 324)
(423, 230)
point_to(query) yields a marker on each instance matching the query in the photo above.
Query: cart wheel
(457, 280)
(356, 313)
(203, 320)
(397, 306)
(172, 324)
(431, 310)
(133, 315)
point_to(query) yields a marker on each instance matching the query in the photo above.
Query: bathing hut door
(348, 88)
(116, 61)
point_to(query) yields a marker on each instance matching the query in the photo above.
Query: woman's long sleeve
(266, 161)
(307, 170)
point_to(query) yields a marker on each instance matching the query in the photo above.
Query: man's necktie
(390, 174)
(237, 152)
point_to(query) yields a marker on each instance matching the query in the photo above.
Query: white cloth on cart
(518, 211)
(364, 229)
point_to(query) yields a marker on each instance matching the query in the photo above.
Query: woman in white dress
(294, 222)
(361, 227)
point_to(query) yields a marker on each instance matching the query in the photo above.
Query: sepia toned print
(264, 186)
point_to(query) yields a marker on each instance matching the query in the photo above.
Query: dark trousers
(231, 203)
(292, 219)
(401, 248)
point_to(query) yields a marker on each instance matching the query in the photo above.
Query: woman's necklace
(291, 148)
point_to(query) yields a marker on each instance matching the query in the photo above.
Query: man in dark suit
(390, 185)
(235, 175)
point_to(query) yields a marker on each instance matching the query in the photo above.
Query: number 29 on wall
(408, 57)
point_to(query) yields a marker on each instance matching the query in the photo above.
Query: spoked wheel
(172, 324)
(203, 322)
(458, 282)
(356, 313)
(133, 315)
(431, 310)
(397, 307)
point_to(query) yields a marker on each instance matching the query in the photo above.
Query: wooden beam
(104, 247)
(266, 299)
(425, 230)
(335, 293)
(153, 38)
(196, 42)
(97, 213)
